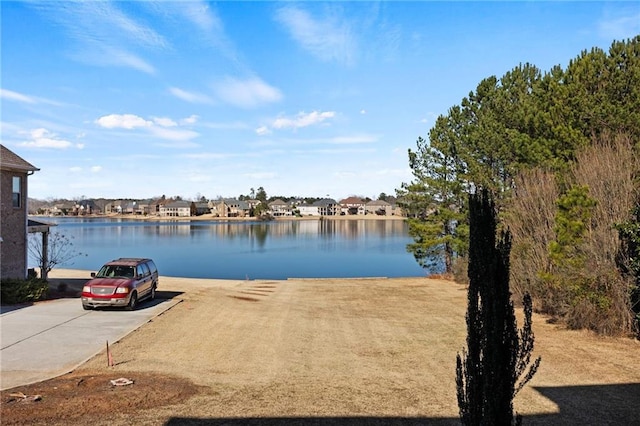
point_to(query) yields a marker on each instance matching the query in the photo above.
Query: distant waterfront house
(85, 207)
(14, 172)
(129, 207)
(176, 209)
(295, 202)
(114, 207)
(279, 208)
(323, 207)
(201, 208)
(154, 206)
(308, 210)
(142, 207)
(229, 207)
(353, 206)
(379, 207)
(328, 207)
(62, 209)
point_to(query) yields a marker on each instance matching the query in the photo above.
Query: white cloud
(28, 99)
(194, 98)
(106, 56)
(246, 93)
(96, 169)
(199, 13)
(174, 134)
(261, 175)
(202, 15)
(233, 125)
(620, 27)
(199, 178)
(100, 22)
(263, 130)
(161, 127)
(334, 151)
(122, 58)
(363, 112)
(430, 117)
(302, 120)
(43, 138)
(207, 156)
(122, 121)
(328, 39)
(104, 32)
(15, 96)
(356, 139)
(164, 122)
(192, 119)
(344, 175)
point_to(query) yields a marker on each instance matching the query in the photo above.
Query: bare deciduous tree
(58, 250)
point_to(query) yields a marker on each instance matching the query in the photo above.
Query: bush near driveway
(20, 291)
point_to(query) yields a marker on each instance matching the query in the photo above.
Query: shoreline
(212, 218)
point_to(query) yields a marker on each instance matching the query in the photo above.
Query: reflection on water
(229, 249)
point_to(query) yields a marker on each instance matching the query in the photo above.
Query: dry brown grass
(341, 352)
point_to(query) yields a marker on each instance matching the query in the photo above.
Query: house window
(17, 191)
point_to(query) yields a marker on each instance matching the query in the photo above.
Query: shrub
(569, 236)
(497, 362)
(460, 265)
(20, 291)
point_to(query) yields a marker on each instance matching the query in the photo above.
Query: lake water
(246, 250)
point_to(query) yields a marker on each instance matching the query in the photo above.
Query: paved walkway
(50, 338)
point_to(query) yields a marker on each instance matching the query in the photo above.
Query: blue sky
(194, 98)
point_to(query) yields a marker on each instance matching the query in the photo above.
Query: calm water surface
(247, 250)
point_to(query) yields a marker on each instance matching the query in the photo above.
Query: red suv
(121, 282)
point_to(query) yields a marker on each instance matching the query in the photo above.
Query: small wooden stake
(109, 357)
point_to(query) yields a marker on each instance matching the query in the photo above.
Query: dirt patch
(90, 396)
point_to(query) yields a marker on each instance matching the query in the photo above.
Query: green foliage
(575, 209)
(435, 203)
(22, 291)
(568, 272)
(497, 362)
(261, 195)
(529, 119)
(629, 234)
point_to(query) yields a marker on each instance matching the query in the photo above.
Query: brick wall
(13, 228)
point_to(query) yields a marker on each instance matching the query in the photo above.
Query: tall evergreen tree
(435, 204)
(522, 120)
(497, 362)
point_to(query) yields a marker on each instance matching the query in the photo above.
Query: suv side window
(145, 269)
(140, 271)
(152, 267)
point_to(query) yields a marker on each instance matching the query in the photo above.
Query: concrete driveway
(50, 338)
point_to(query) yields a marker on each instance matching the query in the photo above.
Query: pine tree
(434, 202)
(497, 361)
